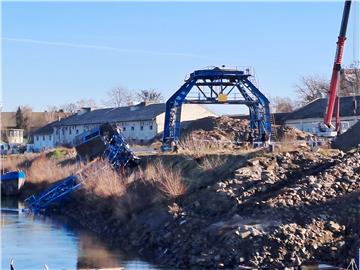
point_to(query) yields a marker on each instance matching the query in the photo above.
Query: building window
(43, 138)
(151, 127)
(142, 128)
(50, 137)
(77, 131)
(37, 138)
(124, 128)
(69, 131)
(132, 128)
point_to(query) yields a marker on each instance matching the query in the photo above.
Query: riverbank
(35, 240)
(229, 210)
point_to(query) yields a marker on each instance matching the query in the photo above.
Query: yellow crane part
(222, 97)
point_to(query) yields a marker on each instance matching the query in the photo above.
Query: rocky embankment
(277, 211)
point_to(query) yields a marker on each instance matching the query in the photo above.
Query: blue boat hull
(12, 182)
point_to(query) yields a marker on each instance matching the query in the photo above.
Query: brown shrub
(16, 162)
(168, 181)
(48, 169)
(197, 149)
(100, 179)
(212, 162)
(39, 167)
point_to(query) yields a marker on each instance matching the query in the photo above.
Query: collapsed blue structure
(102, 141)
(218, 86)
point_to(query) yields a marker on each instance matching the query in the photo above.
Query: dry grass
(100, 179)
(14, 162)
(212, 162)
(168, 181)
(48, 169)
(38, 167)
(198, 149)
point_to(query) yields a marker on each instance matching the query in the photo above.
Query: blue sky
(60, 52)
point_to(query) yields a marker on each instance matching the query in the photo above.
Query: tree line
(307, 89)
(116, 97)
(313, 87)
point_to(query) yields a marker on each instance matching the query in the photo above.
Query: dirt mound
(222, 128)
(289, 133)
(226, 129)
(349, 139)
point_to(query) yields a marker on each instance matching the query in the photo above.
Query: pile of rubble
(223, 129)
(289, 134)
(226, 129)
(278, 211)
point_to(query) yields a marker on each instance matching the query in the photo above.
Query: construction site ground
(253, 210)
(239, 209)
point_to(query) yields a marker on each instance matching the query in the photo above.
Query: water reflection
(37, 240)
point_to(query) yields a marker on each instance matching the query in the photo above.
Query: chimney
(83, 110)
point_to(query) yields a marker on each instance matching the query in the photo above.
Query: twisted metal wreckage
(103, 141)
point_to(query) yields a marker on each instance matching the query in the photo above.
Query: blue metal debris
(217, 86)
(105, 141)
(102, 141)
(56, 193)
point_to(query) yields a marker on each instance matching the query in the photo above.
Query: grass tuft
(100, 179)
(168, 181)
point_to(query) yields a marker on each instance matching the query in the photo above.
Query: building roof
(140, 112)
(37, 119)
(45, 130)
(316, 108)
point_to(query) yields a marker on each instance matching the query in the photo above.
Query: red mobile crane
(333, 95)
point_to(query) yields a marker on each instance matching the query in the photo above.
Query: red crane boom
(336, 69)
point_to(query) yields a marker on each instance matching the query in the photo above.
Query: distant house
(13, 135)
(139, 123)
(308, 117)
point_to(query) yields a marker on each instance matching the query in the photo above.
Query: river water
(33, 241)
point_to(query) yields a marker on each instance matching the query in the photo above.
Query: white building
(13, 135)
(139, 123)
(307, 118)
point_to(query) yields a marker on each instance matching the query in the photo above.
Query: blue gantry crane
(217, 86)
(103, 141)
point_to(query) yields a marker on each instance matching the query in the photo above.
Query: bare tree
(350, 82)
(282, 104)
(311, 88)
(69, 107)
(149, 96)
(118, 97)
(52, 112)
(86, 103)
(73, 107)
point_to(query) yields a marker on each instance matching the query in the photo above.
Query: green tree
(20, 119)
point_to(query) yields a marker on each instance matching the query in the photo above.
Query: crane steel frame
(220, 83)
(333, 97)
